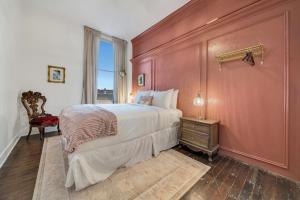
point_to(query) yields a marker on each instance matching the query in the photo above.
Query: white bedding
(134, 120)
(142, 131)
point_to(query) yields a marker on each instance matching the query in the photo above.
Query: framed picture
(56, 74)
(141, 80)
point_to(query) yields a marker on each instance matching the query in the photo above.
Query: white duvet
(141, 129)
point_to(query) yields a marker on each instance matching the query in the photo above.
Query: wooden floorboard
(248, 186)
(258, 187)
(19, 172)
(231, 180)
(227, 179)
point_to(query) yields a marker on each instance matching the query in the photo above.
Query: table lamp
(131, 97)
(199, 101)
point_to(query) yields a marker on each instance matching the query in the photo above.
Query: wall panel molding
(286, 85)
(258, 158)
(147, 67)
(285, 20)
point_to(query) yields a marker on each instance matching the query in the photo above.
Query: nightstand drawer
(195, 138)
(195, 126)
(200, 135)
(194, 131)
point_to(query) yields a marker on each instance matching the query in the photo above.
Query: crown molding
(174, 16)
(243, 11)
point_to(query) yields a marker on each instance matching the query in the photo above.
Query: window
(105, 72)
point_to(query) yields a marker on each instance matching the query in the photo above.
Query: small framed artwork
(56, 74)
(141, 80)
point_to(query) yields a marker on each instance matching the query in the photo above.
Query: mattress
(134, 121)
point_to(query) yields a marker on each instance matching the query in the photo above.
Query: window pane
(105, 85)
(105, 56)
(105, 72)
(105, 80)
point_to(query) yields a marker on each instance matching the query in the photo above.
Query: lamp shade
(198, 100)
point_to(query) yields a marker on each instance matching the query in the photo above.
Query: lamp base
(201, 117)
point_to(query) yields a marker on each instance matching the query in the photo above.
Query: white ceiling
(122, 18)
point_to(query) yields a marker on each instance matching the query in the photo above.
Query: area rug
(167, 176)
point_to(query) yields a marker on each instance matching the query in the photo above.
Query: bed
(143, 131)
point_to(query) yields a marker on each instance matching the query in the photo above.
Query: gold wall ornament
(257, 50)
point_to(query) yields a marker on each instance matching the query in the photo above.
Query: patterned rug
(168, 176)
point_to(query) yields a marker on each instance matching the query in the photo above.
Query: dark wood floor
(227, 178)
(18, 174)
(230, 179)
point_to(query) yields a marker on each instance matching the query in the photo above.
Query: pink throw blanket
(82, 123)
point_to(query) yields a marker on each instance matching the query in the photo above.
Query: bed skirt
(91, 167)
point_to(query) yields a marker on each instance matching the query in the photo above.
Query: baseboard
(6, 152)
(261, 168)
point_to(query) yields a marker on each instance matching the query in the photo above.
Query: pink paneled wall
(258, 106)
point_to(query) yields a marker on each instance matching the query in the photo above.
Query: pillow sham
(141, 93)
(162, 98)
(146, 100)
(174, 99)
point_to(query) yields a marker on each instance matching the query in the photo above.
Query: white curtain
(120, 80)
(89, 92)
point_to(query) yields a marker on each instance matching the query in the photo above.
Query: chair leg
(41, 133)
(30, 129)
(58, 128)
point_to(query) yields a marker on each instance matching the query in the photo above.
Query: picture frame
(141, 80)
(56, 74)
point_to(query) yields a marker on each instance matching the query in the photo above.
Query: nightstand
(200, 135)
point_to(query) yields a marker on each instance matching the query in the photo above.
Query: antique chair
(34, 103)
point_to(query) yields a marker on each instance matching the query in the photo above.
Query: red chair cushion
(45, 120)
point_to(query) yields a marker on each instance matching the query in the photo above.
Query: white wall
(9, 52)
(31, 40)
(51, 40)
(45, 40)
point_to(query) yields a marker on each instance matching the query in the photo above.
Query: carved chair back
(34, 104)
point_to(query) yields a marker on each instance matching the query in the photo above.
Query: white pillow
(141, 93)
(174, 99)
(162, 99)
